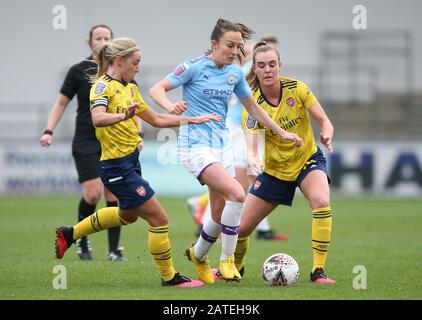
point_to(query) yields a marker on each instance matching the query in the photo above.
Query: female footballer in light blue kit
(208, 83)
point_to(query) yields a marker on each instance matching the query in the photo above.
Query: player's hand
(326, 140)
(206, 118)
(179, 107)
(46, 140)
(131, 111)
(293, 137)
(141, 146)
(255, 167)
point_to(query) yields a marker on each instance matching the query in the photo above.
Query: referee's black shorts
(86, 153)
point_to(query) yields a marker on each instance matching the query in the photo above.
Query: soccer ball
(280, 269)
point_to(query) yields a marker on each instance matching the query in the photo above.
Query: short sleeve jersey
(207, 90)
(282, 159)
(77, 82)
(122, 138)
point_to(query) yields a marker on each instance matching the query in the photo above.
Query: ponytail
(123, 47)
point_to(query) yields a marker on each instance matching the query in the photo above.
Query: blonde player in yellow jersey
(114, 103)
(290, 104)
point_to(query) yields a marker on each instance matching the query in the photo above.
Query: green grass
(382, 235)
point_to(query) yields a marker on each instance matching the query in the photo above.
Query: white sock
(230, 220)
(264, 225)
(209, 234)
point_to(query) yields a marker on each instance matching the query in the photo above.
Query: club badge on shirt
(100, 87)
(290, 102)
(180, 69)
(232, 79)
(250, 123)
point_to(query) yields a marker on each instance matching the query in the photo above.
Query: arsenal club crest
(141, 191)
(290, 102)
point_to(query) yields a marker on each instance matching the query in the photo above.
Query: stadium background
(369, 81)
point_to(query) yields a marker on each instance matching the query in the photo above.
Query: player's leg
(255, 211)
(263, 229)
(102, 219)
(265, 195)
(225, 190)
(159, 243)
(86, 154)
(208, 236)
(115, 253)
(316, 189)
(91, 194)
(108, 217)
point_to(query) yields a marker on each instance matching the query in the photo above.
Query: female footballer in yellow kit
(289, 102)
(114, 102)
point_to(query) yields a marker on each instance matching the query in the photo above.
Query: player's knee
(320, 202)
(129, 218)
(237, 196)
(92, 197)
(158, 220)
(244, 232)
(162, 220)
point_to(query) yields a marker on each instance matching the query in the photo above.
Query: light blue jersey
(234, 115)
(207, 89)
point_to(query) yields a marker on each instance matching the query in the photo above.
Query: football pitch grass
(382, 235)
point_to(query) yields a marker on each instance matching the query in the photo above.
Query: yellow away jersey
(122, 138)
(282, 159)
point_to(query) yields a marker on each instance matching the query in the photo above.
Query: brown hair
(222, 26)
(123, 47)
(270, 39)
(99, 26)
(251, 77)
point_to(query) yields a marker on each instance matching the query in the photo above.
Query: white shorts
(196, 160)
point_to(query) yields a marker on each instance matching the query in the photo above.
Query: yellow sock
(160, 248)
(241, 249)
(321, 234)
(102, 219)
(203, 200)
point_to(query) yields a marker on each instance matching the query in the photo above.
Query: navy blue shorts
(274, 190)
(123, 178)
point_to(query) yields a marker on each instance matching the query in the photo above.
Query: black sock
(85, 210)
(113, 233)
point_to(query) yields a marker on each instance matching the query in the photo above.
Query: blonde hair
(260, 47)
(122, 47)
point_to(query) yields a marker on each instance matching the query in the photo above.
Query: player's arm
(252, 156)
(264, 119)
(140, 132)
(158, 95)
(327, 129)
(250, 131)
(101, 118)
(169, 120)
(55, 115)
